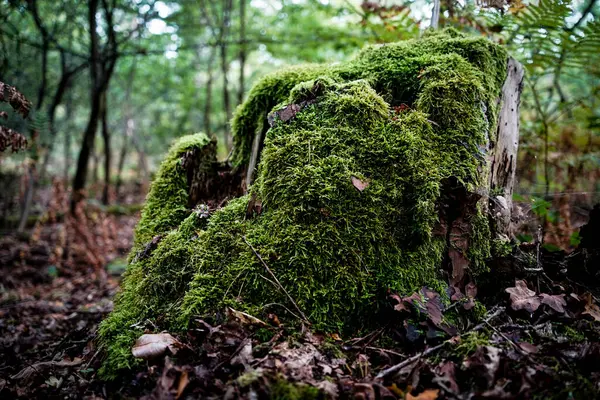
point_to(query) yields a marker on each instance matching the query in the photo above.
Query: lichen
(349, 186)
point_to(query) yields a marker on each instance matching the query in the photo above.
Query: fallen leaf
(183, 382)
(446, 377)
(152, 345)
(554, 301)
(285, 114)
(528, 347)
(428, 394)
(591, 308)
(486, 361)
(523, 298)
(360, 184)
(244, 318)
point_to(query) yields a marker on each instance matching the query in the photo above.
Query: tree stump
(387, 173)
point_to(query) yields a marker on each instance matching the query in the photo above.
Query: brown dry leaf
(528, 347)
(522, 298)
(360, 184)
(484, 362)
(285, 114)
(183, 382)
(427, 394)
(554, 301)
(591, 308)
(244, 318)
(152, 345)
(516, 6)
(446, 376)
(434, 306)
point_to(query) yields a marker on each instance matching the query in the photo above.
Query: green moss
(479, 244)
(456, 75)
(167, 201)
(501, 247)
(154, 284)
(470, 342)
(573, 334)
(335, 246)
(284, 390)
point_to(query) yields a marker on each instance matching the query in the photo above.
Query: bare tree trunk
(95, 164)
(123, 155)
(435, 15)
(208, 103)
(28, 198)
(68, 116)
(107, 151)
(100, 72)
(242, 56)
(226, 100)
(87, 144)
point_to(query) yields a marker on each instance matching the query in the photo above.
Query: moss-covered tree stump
(386, 173)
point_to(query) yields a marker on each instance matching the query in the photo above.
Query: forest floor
(539, 336)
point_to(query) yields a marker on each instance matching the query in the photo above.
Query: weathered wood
(503, 154)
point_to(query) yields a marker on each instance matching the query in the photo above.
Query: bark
(243, 51)
(123, 156)
(208, 103)
(107, 151)
(101, 70)
(225, 71)
(129, 128)
(87, 144)
(67, 149)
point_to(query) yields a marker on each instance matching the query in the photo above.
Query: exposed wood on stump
(504, 153)
(209, 181)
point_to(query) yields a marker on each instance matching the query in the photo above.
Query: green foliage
(349, 189)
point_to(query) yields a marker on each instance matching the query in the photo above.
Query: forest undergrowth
(537, 336)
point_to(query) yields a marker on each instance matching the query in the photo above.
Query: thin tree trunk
(107, 151)
(129, 128)
(243, 50)
(122, 156)
(435, 15)
(68, 116)
(28, 198)
(87, 144)
(208, 103)
(225, 71)
(100, 74)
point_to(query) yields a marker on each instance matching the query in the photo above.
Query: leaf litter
(540, 338)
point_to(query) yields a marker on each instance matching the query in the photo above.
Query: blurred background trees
(113, 82)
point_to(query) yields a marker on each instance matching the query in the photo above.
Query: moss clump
(167, 202)
(156, 278)
(284, 390)
(349, 186)
(448, 75)
(501, 247)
